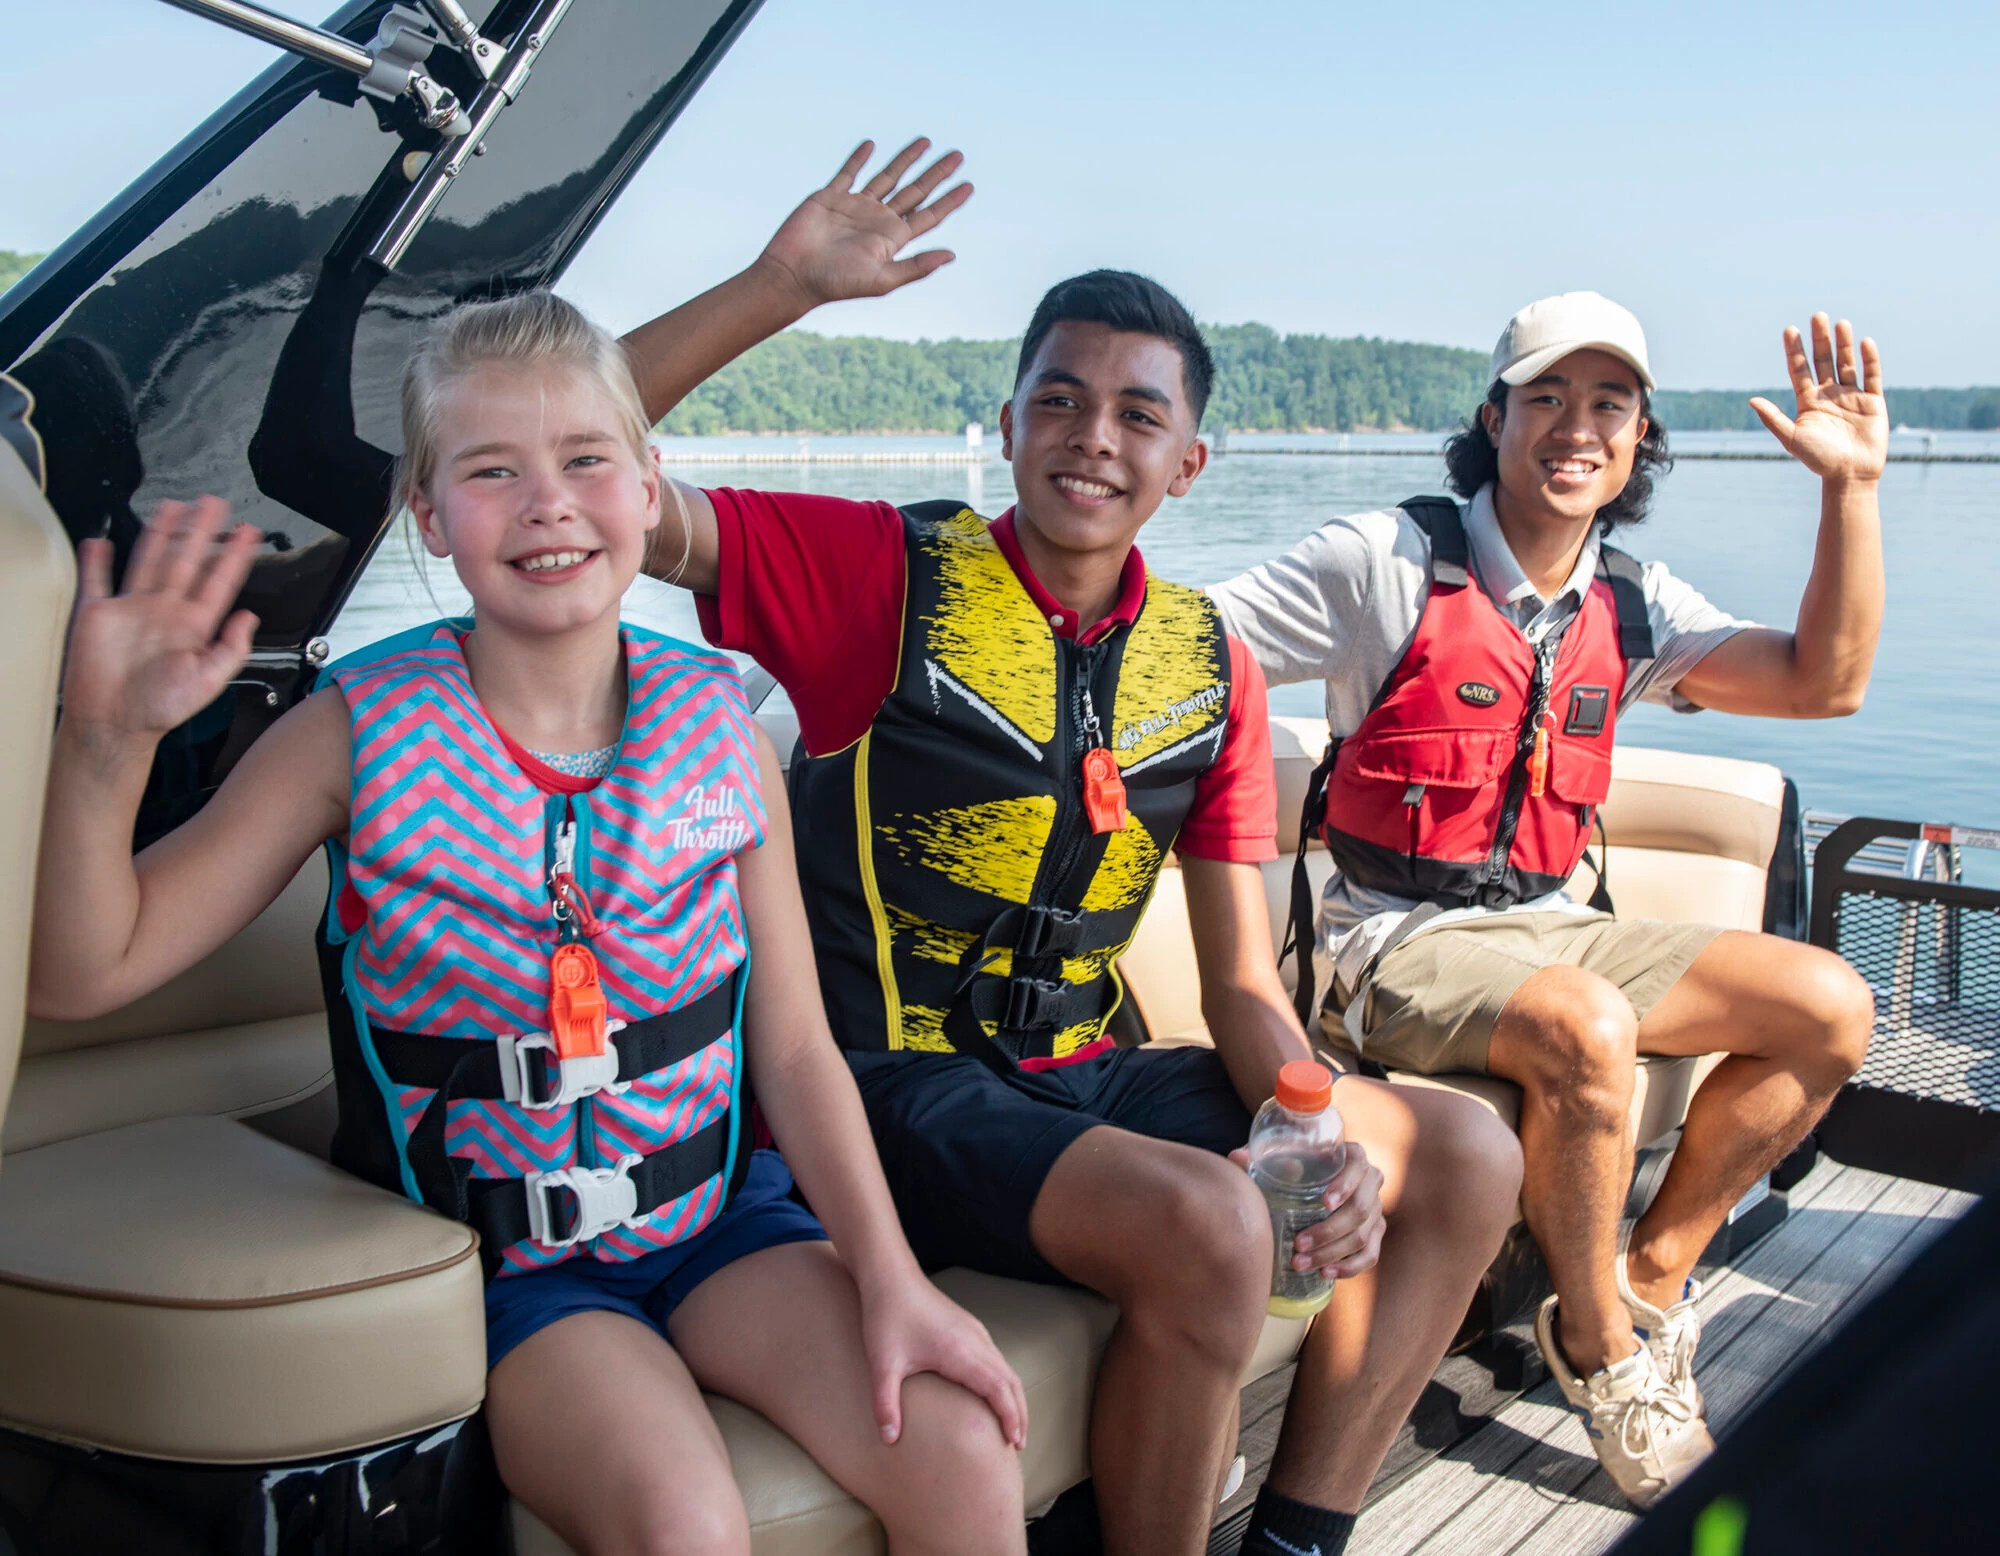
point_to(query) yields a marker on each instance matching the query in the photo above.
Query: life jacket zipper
(1072, 738)
(564, 865)
(1524, 745)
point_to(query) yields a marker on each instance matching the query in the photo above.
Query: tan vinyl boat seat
(188, 1289)
(1690, 838)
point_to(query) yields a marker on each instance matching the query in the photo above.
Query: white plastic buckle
(574, 1077)
(605, 1197)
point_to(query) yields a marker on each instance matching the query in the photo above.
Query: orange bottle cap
(1304, 1086)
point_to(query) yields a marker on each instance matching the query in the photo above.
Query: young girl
(544, 825)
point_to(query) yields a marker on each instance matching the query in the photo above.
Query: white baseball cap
(1543, 333)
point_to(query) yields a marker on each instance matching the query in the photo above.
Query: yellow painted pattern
(885, 971)
(1126, 872)
(987, 632)
(993, 847)
(1169, 686)
(923, 1028)
(932, 942)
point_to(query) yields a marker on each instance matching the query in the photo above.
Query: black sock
(1281, 1527)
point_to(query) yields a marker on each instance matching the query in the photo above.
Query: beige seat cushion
(1053, 1336)
(188, 1289)
(37, 580)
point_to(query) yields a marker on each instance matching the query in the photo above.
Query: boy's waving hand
(842, 241)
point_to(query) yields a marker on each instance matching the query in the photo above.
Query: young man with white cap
(1475, 659)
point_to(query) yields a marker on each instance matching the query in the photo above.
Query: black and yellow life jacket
(959, 899)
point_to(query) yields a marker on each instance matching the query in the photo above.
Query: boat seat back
(242, 1033)
(37, 584)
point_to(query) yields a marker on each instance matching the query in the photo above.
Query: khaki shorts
(1437, 995)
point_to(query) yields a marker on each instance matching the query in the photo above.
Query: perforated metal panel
(1888, 896)
(1935, 970)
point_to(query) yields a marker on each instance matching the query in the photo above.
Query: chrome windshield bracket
(503, 85)
(387, 68)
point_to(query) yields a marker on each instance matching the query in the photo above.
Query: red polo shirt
(811, 588)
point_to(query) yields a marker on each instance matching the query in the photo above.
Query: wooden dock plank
(1773, 1327)
(1530, 1480)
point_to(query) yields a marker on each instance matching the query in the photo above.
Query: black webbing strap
(1451, 555)
(497, 1208)
(1628, 594)
(1300, 933)
(1024, 1010)
(470, 1067)
(1600, 894)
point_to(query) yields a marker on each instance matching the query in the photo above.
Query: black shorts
(966, 1150)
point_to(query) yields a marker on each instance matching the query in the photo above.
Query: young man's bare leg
(780, 1330)
(1795, 1021)
(1451, 1174)
(1178, 1238)
(1569, 1040)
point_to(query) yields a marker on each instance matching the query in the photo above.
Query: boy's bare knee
(1465, 1178)
(1209, 1275)
(1571, 1040)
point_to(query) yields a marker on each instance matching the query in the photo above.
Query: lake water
(1925, 747)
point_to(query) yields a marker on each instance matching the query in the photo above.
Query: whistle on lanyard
(1103, 788)
(577, 1008)
(1538, 763)
(1103, 791)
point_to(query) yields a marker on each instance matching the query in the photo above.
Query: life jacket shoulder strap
(1628, 594)
(1451, 555)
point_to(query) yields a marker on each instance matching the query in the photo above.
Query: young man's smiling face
(1099, 433)
(1568, 438)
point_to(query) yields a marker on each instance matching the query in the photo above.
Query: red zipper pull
(565, 890)
(1538, 764)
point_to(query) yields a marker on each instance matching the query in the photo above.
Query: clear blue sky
(1414, 171)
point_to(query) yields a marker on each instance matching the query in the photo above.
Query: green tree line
(13, 266)
(1264, 381)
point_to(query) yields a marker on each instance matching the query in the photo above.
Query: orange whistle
(1103, 791)
(1538, 763)
(577, 1008)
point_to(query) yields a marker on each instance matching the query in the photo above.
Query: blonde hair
(534, 330)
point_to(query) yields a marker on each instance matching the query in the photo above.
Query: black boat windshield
(228, 323)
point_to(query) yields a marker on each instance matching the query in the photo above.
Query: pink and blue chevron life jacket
(439, 929)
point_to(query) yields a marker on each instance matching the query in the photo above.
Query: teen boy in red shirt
(972, 877)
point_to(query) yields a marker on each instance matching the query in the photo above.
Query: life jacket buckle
(1048, 930)
(524, 1082)
(1031, 1002)
(606, 1197)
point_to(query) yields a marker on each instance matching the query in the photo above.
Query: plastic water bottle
(1297, 1148)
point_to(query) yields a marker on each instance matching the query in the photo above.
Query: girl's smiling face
(538, 498)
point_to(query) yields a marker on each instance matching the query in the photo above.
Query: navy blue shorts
(966, 1149)
(762, 1215)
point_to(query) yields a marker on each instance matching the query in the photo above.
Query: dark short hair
(1471, 460)
(1134, 304)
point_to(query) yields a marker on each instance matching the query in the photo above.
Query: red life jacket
(1475, 777)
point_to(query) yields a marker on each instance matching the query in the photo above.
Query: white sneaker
(1647, 1433)
(1233, 1481)
(1672, 1333)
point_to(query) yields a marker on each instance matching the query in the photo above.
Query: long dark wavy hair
(1471, 460)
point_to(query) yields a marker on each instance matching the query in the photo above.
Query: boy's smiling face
(1099, 433)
